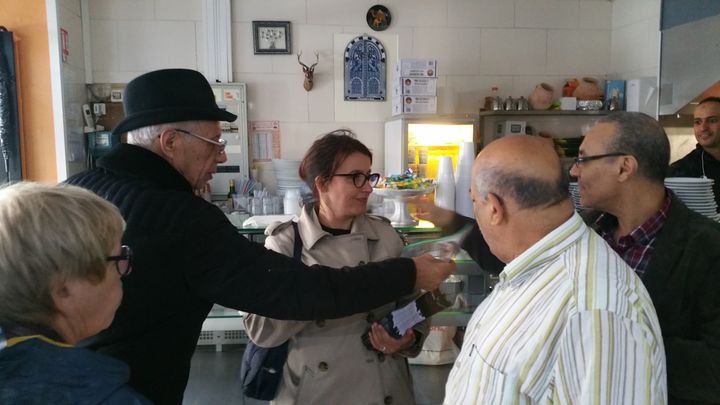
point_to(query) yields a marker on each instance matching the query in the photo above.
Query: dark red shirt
(636, 247)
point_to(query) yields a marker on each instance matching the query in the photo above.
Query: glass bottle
(497, 103)
(230, 203)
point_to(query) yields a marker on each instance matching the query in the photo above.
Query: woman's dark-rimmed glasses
(359, 178)
(123, 261)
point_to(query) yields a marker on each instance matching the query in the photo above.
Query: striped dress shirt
(568, 323)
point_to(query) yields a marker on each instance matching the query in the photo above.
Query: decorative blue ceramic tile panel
(365, 77)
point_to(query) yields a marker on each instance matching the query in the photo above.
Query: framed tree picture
(272, 37)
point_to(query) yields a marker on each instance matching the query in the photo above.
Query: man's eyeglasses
(581, 159)
(123, 261)
(220, 143)
(359, 178)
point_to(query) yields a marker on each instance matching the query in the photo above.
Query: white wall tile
(122, 10)
(104, 45)
(630, 11)
(595, 14)
(320, 99)
(578, 52)
(244, 59)
(200, 46)
(72, 6)
(417, 13)
(457, 50)
(164, 45)
(334, 12)
(297, 137)
(546, 13)
(275, 97)
(513, 51)
(481, 13)
(635, 47)
(469, 91)
(268, 10)
(178, 10)
(116, 76)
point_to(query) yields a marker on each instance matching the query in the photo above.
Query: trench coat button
(370, 317)
(323, 366)
(361, 262)
(381, 357)
(320, 323)
(388, 400)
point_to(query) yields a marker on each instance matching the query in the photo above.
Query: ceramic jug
(542, 97)
(588, 89)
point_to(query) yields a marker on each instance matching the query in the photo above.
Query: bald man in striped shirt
(569, 322)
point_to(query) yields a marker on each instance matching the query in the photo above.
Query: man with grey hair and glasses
(187, 255)
(568, 321)
(675, 251)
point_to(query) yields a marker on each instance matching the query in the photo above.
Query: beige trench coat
(327, 362)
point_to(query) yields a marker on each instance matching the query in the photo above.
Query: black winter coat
(683, 279)
(187, 256)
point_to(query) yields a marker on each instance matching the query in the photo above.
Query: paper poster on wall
(265, 141)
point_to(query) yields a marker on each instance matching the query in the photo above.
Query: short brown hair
(327, 154)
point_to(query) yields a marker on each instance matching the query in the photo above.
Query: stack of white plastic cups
(463, 174)
(445, 189)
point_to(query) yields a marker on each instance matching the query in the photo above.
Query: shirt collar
(311, 231)
(643, 234)
(546, 249)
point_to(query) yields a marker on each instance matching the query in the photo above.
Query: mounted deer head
(308, 71)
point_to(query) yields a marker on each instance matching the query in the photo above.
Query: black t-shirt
(696, 164)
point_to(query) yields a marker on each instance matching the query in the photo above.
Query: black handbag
(261, 367)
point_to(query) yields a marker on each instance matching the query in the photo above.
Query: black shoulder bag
(261, 368)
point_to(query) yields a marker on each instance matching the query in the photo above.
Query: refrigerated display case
(418, 141)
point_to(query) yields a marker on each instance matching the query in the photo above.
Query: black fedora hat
(169, 95)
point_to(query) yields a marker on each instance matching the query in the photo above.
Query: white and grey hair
(526, 191)
(146, 136)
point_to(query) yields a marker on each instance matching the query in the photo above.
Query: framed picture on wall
(272, 37)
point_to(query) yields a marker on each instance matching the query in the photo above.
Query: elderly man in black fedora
(187, 256)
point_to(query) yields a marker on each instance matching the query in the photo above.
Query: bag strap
(297, 247)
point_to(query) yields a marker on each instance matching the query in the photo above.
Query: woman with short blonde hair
(60, 267)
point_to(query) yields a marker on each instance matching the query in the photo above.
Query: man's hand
(428, 211)
(430, 272)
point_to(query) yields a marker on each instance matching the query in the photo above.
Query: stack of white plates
(696, 193)
(575, 195)
(286, 174)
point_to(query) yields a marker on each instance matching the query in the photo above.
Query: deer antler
(317, 59)
(300, 62)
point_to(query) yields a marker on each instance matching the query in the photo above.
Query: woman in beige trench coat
(327, 361)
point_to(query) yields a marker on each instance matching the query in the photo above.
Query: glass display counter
(471, 283)
(468, 287)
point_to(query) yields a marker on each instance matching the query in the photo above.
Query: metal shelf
(544, 112)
